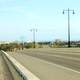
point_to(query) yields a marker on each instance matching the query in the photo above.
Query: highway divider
(23, 72)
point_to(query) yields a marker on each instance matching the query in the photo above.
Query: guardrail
(23, 72)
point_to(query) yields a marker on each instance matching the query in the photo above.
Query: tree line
(53, 44)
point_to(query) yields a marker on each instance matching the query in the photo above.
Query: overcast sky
(18, 17)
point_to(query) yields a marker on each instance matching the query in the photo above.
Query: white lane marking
(57, 65)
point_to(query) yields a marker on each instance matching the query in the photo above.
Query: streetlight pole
(34, 30)
(68, 10)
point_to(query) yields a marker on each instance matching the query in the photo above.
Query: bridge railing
(21, 70)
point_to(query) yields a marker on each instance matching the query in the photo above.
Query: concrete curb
(24, 73)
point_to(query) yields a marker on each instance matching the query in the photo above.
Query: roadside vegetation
(46, 44)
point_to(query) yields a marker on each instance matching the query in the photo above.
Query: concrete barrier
(23, 72)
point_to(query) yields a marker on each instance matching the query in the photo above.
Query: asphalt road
(64, 58)
(42, 63)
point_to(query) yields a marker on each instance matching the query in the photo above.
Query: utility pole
(34, 31)
(68, 10)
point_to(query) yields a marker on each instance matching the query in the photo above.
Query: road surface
(51, 64)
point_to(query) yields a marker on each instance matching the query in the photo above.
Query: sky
(19, 17)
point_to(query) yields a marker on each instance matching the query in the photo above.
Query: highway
(68, 60)
(51, 64)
